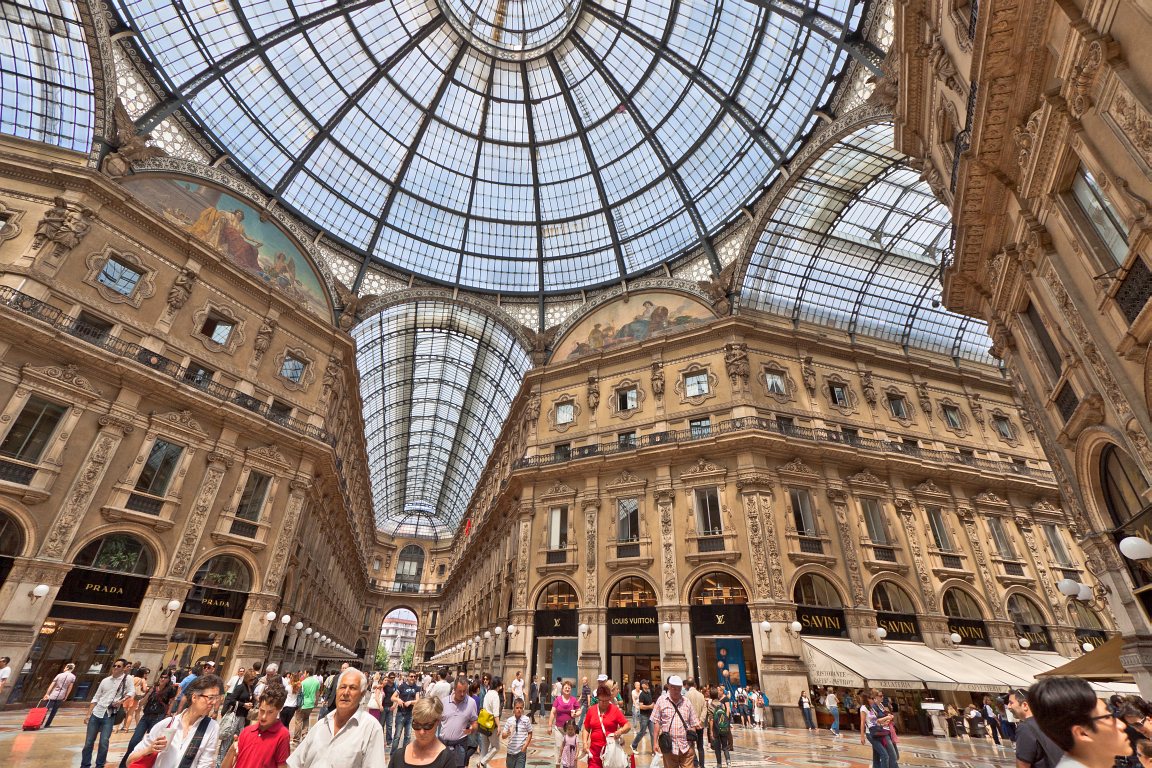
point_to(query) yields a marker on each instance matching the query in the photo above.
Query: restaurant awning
(1100, 667)
(968, 673)
(848, 664)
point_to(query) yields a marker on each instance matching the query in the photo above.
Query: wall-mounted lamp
(172, 607)
(498, 630)
(477, 639)
(668, 629)
(269, 617)
(513, 630)
(765, 627)
(1087, 647)
(954, 638)
(285, 619)
(584, 630)
(307, 631)
(487, 635)
(299, 626)
(795, 628)
(879, 633)
(38, 591)
(1135, 548)
(1024, 642)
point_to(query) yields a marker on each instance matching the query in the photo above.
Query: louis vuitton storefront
(555, 633)
(722, 631)
(633, 632)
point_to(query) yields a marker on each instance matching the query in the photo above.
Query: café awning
(851, 665)
(966, 672)
(1101, 665)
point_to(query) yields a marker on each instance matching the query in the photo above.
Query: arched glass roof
(856, 243)
(517, 146)
(437, 381)
(45, 74)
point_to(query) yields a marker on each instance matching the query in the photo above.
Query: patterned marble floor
(59, 747)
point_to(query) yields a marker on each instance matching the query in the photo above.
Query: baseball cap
(209, 663)
(676, 681)
(601, 678)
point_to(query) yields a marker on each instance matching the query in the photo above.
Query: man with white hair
(345, 737)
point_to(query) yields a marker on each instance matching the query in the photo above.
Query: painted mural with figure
(631, 319)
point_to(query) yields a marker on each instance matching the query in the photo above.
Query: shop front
(722, 631)
(1090, 630)
(965, 619)
(211, 614)
(555, 635)
(1030, 624)
(89, 621)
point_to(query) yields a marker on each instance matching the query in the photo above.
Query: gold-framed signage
(900, 626)
(555, 623)
(87, 585)
(633, 621)
(822, 622)
(215, 603)
(972, 632)
(1037, 635)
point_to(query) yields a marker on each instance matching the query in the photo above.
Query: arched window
(958, 604)
(632, 592)
(1023, 611)
(1084, 617)
(889, 598)
(1122, 485)
(224, 572)
(557, 596)
(117, 552)
(815, 590)
(11, 537)
(719, 589)
(409, 569)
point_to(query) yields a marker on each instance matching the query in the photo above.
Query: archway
(1090, 630)
(896, 612)
(11, 544)
(89, 620)
(555, 637)
(1120, 498)
(965, 618)
(722, 631)
(633, 632)
(211, 614)
(397, 647)
(1030, 623)
(819, 608)
(409, 569)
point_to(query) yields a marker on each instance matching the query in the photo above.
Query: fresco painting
(631, 319)
(234, 228)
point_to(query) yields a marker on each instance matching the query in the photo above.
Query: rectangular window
(940, 533)
(565, 413)
(874, 520)
(558, 528)
(159, 468)
(775, 382)
(839, 394)
(32, 430)
(293, 368)
(91, 328)
(898, 407)
(627, 519)
(850, 435)
(1044, 339)
(1104, 218)
(218, 329)
(562, 451)
(119, 276)
(952, 417)
(198, 375)
(708, 512)
(786, 424)
(626, 399)
(1003, 427)
(1056, 544)
(280, 411)
(696, 384)
(802, 514)
(1000, 538)
(700, 427)
(626, 439)
(252, 499)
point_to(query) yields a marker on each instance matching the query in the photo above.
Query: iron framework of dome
(514, 146)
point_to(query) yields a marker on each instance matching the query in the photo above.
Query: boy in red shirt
(265, 743)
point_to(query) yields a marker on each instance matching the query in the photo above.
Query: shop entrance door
(91, 647)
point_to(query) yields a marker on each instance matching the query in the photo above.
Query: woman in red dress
(603, 721)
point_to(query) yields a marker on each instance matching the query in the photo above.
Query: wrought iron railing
(811, 546)
(885, 554)
(761, 424)
(952, 561)
(21, 474)
(46, 313)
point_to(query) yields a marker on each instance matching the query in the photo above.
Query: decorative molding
(703, 470)
(145, 287)
(67, 376)
(664, 502)
(694, 368)
(849, 546)
(235, 338)
(797, 467)
(80, 495)
(9, 222)
(627, 481)
(785, 380)
(557, 489)
(947, 402)
(306, 377)
(846, 409)
(565, 399)
(736, 364)
(864, 477)
(198, 516)
(614, 405)
(988, 497)
(181, 421)
(892, 392)
(928, 487)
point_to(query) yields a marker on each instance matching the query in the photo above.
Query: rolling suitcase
(35, 718)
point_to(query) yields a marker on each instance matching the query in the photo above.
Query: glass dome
(514, 146)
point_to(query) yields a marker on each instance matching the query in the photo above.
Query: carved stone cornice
(124, 425)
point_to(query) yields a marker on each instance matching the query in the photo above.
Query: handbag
(486, 722)
(118, 713)
(612, 756)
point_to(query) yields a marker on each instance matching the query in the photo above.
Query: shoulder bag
(116, 707)
(612, 755)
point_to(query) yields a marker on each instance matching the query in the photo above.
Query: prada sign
(633, 621)
(82, 585)
(900, 626)
(1037, 635)
(555, 623)
(822, 622)
(971, 631)
(732, 620)
(217, 603)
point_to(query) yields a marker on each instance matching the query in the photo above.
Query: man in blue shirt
(407, 691)
(178, 703)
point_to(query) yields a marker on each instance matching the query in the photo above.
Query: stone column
(24, 613)
(148, 636)
(298, 490)
(591, 661)
(218, 464)
(676, 656)
(848, 546)
(521, 645)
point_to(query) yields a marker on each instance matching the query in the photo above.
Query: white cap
(601, 678)
(676, 681)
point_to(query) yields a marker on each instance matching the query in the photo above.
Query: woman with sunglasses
(425, 749)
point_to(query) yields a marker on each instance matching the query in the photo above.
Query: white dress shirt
(359, 744)
(178, 743)
(109, 692)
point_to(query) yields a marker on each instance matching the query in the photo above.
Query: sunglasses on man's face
(423, 726)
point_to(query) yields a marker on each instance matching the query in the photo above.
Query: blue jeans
(835, 712)
(97, 726)
(808, 722)
(142, 727)
(883, 751)
(52, 705)
(643, 728)
(403, 730)
(386, 718)
(517, 760)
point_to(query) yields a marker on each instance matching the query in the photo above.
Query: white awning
(967, 672)
(848, 664)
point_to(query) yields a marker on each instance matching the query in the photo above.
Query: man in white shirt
(1068, 712)
(59, 690)
(232, 681)
(345, 737)
(5, 673)
(110, 695)
(439, 689)
(833, 705)
(518, 687)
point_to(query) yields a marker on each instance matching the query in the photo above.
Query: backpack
(764, 699)
(720, 718)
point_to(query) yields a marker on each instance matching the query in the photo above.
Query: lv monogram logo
(720, 618)
(556, 623)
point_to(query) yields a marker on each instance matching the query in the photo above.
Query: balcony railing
(811, 546)
(761, 424)
(952, 561)
(150, 505)
(711, 542)
(46, 313)
(884, 554)
(21, 474)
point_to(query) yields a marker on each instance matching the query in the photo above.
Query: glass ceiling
(45, 74)
(856, 243)
(437, 381)
(518, 146)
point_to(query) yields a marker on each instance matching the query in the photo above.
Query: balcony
(636, 552)
(561, 560)
(809, 547)
(716, 546)
(949, 565)
(759, 424)
(883, 558)
(20, 474)
(46, 313)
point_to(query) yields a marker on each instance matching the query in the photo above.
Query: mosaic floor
(59, 747)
